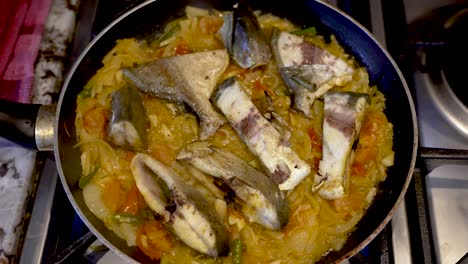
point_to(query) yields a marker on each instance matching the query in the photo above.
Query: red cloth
(21, 26)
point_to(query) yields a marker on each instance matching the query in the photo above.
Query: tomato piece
(133, 201)
(371, 137)
(181, 49)
(316, 163)
(95, 121)
(154, 240)
(358, 169)
(111, 195)
(315, 139)
(373, 128)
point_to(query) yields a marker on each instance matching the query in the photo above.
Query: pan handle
(28, 125)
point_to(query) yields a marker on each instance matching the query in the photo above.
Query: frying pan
(145, 21)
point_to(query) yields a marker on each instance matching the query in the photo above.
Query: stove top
(437, 36)
(63, 232)
(434, 38)
(447, 193)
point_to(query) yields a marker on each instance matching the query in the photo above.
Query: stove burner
(456, 54)
(440, 39)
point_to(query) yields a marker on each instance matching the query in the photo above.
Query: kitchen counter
(16, 178)
(18, 172)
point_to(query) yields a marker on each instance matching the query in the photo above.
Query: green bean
(171, 29)
(237, 251)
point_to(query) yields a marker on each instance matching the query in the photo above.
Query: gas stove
(419, 232)
(438, 39)
(438, 36)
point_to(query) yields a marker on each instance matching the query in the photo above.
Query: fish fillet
(263, 201)
(189, 79)
(344, 114)
(308, 70)
(282, 164)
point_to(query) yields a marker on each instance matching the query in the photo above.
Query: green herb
(87, 178)
(311, 31)
(85, 93)
(237, 251)
(126, 218)
(172, 29)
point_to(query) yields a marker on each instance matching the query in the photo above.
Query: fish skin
(343, 117)
(264, 203)
(189, 78)
(308, 70)
(243, 37)
(189, 215)
(128, 119)
(226, 31)
(282, 164)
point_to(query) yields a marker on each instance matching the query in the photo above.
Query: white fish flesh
(343, 117)
(189, 78)
(263, 201)
(188, 214)
(282, 164)
(308, 70)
